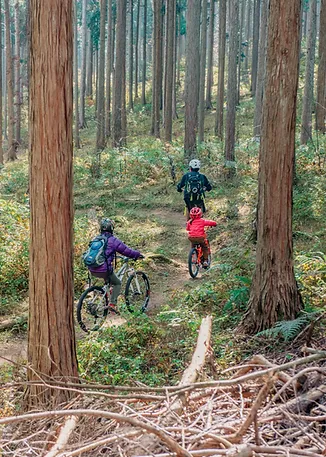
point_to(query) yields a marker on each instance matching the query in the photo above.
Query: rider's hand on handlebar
(141, 257)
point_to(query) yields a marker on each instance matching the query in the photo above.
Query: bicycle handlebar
(127, 259)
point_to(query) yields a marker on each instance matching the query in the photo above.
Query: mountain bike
(93, 305)
(195, 259)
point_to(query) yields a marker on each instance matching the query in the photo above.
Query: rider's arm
(182, 183)
(207, 184)
(209, 223)
(125, 250)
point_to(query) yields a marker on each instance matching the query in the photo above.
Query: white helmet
(194, 163)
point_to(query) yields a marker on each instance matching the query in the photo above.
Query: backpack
(194, 186)
(95, 254)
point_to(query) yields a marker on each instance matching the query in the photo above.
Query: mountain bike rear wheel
(193, 263)
(137, 292)
(92, 308)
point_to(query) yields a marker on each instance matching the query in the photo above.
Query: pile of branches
(260, 408)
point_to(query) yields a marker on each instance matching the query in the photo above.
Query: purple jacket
(114, 245)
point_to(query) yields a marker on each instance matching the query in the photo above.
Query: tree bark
(1, 94)
(100, 137)
(306, 121)
(131, 55)
(192, 78)
(157, 68)
(255, 44)
(261, 67)
(321, 79)
(89, 65)
(248, 38)
(210, 81)
(18, 100)
(108, 71)
(77, 137)
(10, 86)
(229, 153)
(274, 293)
(119, 85)
(221, 70)
(51, 334)
(137, 51)
(203, 46)
(82, 123)
(143, 92)
(170, 36)
(240, 42)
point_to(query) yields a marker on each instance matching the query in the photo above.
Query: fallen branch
(8, 324)
(169, 442)
(63, 437)
(164, 259)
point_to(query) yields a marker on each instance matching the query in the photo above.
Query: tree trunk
(174, 88)
(306, 121)
(89, 65)
(1, 80)
(143, 91)
(170, 36)
(209, 83)
(240, 41)
(221, 70)
(274, 293)
(51, 334)
(77, 137)
(100, 137)
(108, 72)
(157, 68)
(203, 46)
(4, 73)
(82, 123)
(192, 78)
(119, 86)
(17, 75)
(321, 79)
(131, 55)
(261, 67)
(248, 38)
(137, 51)
(10, 89)
(255, 44)
(96, 55)
(232, 90)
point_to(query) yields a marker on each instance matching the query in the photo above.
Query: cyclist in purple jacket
(105, 271)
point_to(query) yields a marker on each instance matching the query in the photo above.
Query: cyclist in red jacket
(196, 231)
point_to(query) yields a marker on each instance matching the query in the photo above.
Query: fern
(289, 329)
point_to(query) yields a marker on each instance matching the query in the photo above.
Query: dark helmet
(107, 225)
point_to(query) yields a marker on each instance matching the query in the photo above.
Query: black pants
(192, 204)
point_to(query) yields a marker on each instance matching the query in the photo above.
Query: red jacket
(196, 227)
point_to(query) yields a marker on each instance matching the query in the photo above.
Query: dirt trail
(165, 278)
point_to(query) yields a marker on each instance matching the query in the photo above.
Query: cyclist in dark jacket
(105, 271)
(194, 184)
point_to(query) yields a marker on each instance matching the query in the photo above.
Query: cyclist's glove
(179, 189)
(141, 257)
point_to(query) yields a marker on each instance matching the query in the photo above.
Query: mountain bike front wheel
(137, 292)
(193, 262)
(92, 308)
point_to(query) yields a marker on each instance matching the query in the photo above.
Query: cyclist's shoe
(113, 308)
(205, 264)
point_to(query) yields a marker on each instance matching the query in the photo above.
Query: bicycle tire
(193, 264)
(96, 312)
(135, 300)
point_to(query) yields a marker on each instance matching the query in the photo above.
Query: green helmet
(107, 225)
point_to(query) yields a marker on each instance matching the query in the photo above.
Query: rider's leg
(116, 288)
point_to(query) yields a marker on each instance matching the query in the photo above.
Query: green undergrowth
(136, 189)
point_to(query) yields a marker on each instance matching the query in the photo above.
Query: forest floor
(167, 276)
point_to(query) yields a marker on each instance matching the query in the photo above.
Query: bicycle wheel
(92, 308)
(137, 292)
(193, 264)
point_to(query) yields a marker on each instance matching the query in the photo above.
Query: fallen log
(8, 324)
